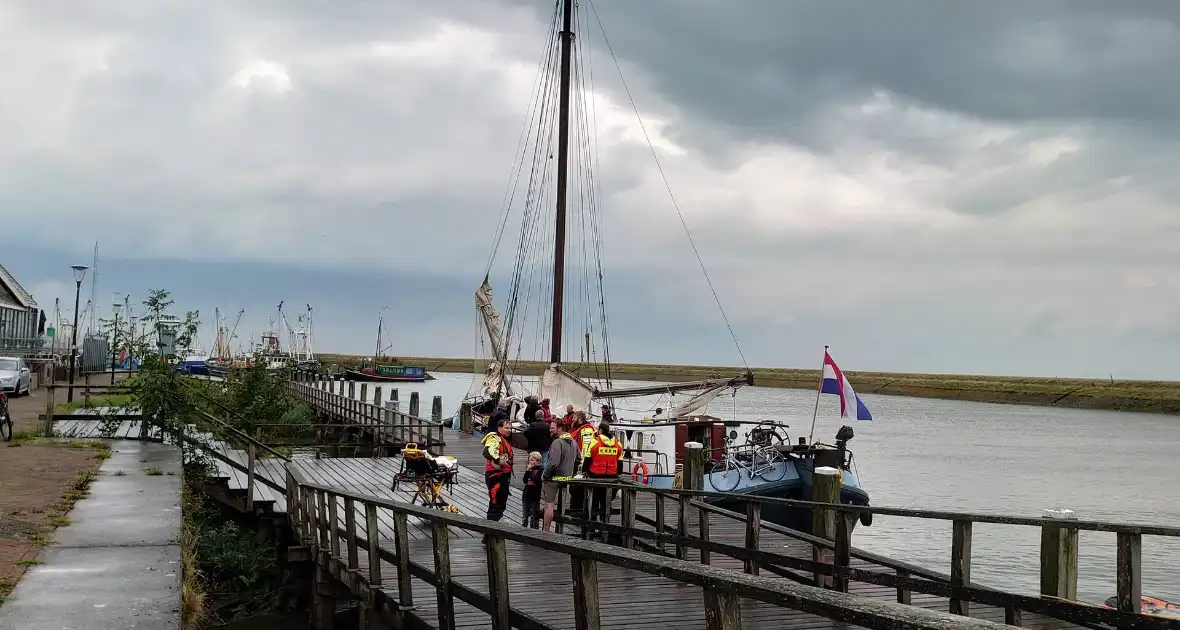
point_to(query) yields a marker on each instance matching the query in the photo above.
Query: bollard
(465, 418)
(364, 392)
(414, 404)
(436, 410)
(825, 488)
(377, 396)
(389, 417)
(693, 475)
(352, 389)
(1059, 555)
(393, 394)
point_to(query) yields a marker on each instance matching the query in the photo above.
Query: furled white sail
(698, 401)
(561, 388)
(493, 379)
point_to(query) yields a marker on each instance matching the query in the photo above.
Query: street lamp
(115, 338)
(79, 274)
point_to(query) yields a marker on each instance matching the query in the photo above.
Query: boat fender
(866, 518)
(639, 473)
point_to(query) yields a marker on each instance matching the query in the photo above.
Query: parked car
(15, 376)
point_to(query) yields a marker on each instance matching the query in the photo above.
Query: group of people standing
(560, 449)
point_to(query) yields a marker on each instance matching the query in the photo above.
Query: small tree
(187, 335)
(157, 302)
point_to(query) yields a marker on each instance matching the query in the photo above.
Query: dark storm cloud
(772, 66)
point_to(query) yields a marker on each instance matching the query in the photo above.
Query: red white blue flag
(851, 406)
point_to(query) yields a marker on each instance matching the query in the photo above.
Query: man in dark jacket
(500, 413)
(538, 438)
(531, 407)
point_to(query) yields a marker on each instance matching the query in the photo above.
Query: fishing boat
(655, 438)
(382, 368)
(222, 359)
(300, 341)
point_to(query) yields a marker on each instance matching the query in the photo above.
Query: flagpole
(818, 391)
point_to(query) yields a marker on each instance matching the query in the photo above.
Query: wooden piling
(1059, 555)
(436, 410)
(364, 392)
(825, 488)
(960, 564)
(377, 398)
(414, 404)
(1129, 579)
(465, 417)
(693, 475)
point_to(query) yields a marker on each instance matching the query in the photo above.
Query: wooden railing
(1059, 546)
(335, 541)
(386, 422)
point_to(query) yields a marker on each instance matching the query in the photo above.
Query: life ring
(635, 473)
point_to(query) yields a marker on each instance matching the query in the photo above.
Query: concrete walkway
(117, 565)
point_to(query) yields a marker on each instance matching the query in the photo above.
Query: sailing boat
(655, 442)
(380, 368)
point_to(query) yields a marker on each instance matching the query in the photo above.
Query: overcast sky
(926, 186)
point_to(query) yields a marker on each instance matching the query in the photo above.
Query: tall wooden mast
(563, 147)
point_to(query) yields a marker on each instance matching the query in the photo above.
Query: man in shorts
(563, 459)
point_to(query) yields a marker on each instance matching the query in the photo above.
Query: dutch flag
(835, 383)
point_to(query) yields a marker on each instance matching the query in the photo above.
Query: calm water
(950, 455)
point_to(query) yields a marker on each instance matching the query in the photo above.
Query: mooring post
(693, 473)
(587, 612)
(364, 392)
(723, 611)
(961, 564)
(442, 572)
(825, 488)
(414, 404)
(465, 418)
(753, 533)
(352, 390)
(377, 398)
(389, 418)
(498, 583)
(436, 410)
(1059, 555)
(1129, 579)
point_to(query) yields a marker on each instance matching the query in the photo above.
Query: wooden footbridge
(669, 559)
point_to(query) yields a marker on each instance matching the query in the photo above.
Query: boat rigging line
(667, 184)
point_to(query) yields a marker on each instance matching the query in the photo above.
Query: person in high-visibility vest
(583, 434)
(498, 468)
(604, 460)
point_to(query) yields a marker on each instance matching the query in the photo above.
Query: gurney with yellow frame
(430, 473)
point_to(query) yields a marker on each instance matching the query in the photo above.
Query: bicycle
(765, 462)
(5, 419)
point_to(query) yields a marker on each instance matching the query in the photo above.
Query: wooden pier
(682, 525)
(669, 558)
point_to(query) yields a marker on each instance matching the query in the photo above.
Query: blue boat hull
(794, 484)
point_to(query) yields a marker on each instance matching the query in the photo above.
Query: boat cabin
(660, 444)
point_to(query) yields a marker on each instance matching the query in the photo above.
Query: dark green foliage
(228, 555)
